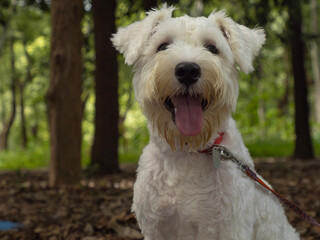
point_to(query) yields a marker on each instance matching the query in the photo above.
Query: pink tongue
(189, 115)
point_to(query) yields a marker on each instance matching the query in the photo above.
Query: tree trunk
(22, 86)
(64, 92)
(2, 107)
(4, 135)
(5, 23)
(284, 101)
(198, 8)
(303, 144)
(105, 146)
(23, 119)
(3, 37)
(314, 52)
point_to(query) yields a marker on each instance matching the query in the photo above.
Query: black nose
(188, 73)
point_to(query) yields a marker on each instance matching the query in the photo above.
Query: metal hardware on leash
(224, 154)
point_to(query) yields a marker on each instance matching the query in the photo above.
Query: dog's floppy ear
(244, 42)
(130, 40)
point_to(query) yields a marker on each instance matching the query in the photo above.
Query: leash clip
(225, 154)
(220, 153)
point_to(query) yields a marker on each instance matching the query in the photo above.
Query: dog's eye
(212, 48)
(162, 47)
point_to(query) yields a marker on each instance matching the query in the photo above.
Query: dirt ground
(99, 208)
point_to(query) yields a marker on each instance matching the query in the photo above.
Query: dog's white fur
(178, 194)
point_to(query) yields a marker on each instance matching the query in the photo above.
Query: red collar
(216, 142)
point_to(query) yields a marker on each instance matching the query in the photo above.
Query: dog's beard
(160, 107)
(162, 122)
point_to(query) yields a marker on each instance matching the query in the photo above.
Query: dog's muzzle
(187, 110)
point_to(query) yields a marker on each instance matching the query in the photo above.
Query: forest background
(267, 113)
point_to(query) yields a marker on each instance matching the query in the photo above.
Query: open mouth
(187, 112)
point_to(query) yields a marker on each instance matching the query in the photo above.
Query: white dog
(185, 79)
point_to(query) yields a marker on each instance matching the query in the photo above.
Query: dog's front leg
(167, 227)
(158, 222)
(271, 221)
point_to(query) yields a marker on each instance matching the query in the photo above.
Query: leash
(219, 152)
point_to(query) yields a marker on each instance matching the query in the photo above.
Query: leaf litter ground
(99, 208)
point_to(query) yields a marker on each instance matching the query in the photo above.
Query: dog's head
(186, 70)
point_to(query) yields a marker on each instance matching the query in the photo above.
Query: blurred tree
(314, 52)
(64, 94)
(4, 22)
(4, 135)
(198, 10)
(283, 102)
(22, 85)
(5, 17)
(303, 143)
(105, 146)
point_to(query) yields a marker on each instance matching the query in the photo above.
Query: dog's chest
(193, 198)
(198, 191)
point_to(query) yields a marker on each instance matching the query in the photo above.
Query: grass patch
(35, 156)
(276, 148)
(270, 148)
